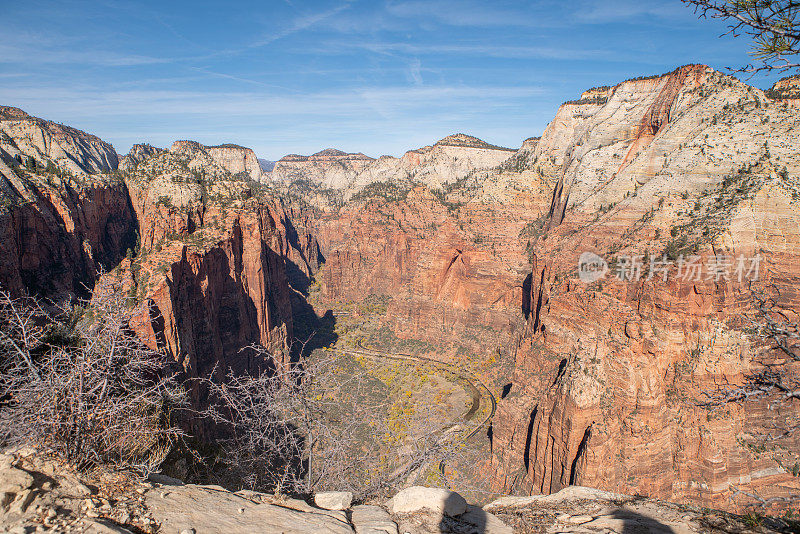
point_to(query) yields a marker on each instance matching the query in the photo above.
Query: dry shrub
(79, 384)
(315, 427)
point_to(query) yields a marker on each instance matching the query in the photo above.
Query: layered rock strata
(26, 139)
(445, 162)
(611, 376)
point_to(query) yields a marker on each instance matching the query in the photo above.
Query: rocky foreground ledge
(38, 495)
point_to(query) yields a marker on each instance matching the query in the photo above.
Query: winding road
(478, 390)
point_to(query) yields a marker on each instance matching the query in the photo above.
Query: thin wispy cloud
(40, 55)
(463, 13)
(164, 102)
(484, 50)
(300, 24)
(222, 75)
(623, 10)
(377, 76)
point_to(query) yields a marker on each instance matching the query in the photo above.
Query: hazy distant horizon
(374, 77)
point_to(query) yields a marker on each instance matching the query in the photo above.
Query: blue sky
(378, 76)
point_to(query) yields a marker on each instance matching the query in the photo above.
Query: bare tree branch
(771, 24)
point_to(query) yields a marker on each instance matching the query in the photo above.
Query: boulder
(369, 519)
(484, 522)
(104, 526)
(334, 500)
(417, 498)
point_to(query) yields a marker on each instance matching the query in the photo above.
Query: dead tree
(778, 336)
(774, 381)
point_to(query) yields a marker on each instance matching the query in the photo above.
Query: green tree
(773, 26)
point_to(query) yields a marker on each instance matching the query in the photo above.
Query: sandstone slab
(213, 510)
(370, 519)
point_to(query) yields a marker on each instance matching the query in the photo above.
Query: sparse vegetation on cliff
(710, 218)
(389, 191)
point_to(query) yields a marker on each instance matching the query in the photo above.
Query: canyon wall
(58, 225)
(212, 267)
(451, 266)
(610, 376)
(204, 255)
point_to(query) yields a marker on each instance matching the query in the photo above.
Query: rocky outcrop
(233, 158)
(418, 498)
(451, 159)
(597, 93)
(333, 500)
(586, 510)
(329, 168)
(45, 495)
(237, 159)
(786, 90)
(59, 226)
(137, 153)
(610, 377)
(39, 493)
(212, 510)
(24, 139)
(212, 270)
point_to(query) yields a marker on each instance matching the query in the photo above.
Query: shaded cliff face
(609, 375)
(58, 226)
(209, 259)
(213, 264)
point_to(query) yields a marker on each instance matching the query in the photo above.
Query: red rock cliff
(610, 376)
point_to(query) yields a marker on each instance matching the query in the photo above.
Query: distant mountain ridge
(445, 161)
